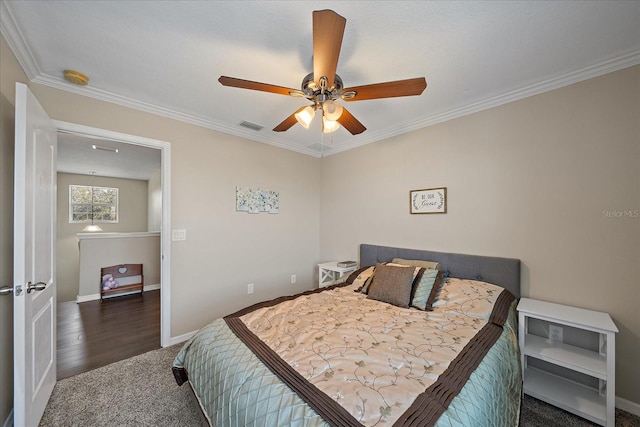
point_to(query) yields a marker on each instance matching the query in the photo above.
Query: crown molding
(11, 33)
(16, 41)
(106, 96)
(605, 67)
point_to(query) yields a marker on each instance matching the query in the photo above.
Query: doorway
(165, 184)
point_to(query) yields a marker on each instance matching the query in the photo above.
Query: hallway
(94, 334)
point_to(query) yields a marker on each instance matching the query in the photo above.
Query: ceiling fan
(323, 87)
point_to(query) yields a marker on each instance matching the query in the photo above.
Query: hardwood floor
(94, 334)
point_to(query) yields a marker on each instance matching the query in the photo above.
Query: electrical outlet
(555, 332)
(293, 279)
(250, 288)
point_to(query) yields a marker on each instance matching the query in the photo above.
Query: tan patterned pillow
(360, 276)
(392, 285)
(418, 263)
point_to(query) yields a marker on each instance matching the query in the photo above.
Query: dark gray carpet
(536, 413)
(141, 391)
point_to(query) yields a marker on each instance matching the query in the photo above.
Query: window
(93, 204)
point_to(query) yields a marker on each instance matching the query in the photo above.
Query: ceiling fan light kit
(323, 87)
(329, 126)
(331, 110)
(305, 116)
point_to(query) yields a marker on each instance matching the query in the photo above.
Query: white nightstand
(594, 404)
(329, 273)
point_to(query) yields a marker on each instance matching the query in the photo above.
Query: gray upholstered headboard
(503, 272)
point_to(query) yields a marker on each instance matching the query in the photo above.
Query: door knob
(39, 286)
(6, 290)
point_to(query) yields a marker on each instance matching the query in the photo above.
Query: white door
(34, 292)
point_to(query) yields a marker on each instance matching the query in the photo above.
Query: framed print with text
(428, 201)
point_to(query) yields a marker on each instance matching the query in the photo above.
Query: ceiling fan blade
(288, 122)
(407, 87)
(263, 87)
(350, 123)
(328, 29)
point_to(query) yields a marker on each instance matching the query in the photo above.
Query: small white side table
(329, 273)
(595, 404)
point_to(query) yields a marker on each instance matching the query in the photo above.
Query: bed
(400, 342)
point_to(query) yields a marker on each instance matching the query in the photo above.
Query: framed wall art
(257, 200)
(428, 201)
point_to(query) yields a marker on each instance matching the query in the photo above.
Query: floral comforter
(345, 360)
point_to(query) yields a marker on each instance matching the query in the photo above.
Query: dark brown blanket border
(331, 411)
(427, 407)
(180, 375)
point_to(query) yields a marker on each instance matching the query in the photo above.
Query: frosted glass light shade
(329, 126)
(91, 228)
(331, 110)
(305, 116)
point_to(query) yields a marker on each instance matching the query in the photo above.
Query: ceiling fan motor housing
(319, 94)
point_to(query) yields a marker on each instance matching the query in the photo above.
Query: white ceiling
(77, 155)
(165, 56)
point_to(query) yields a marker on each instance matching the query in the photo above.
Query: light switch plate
(177, 235)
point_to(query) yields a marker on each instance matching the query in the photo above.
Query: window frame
(89, 220)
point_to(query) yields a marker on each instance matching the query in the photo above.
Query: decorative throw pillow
(360, 277)
(427, 289)
(357, 277)
(418, 263)
(392, 285)
(416, 270)
(364, 289)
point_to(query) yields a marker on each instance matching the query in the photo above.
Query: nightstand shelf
(597, 404)
(329, 273)
(571, 357)
(570, 396)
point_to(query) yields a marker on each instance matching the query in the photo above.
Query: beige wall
(225, 250)
(99, 250)
(10, 73)
(133, 217)
(529, 180)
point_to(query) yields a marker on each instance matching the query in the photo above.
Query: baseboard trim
(627, 405)
(95, 297)
(181, 338)
(9, 421)
(87, 298)
(148, 288)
